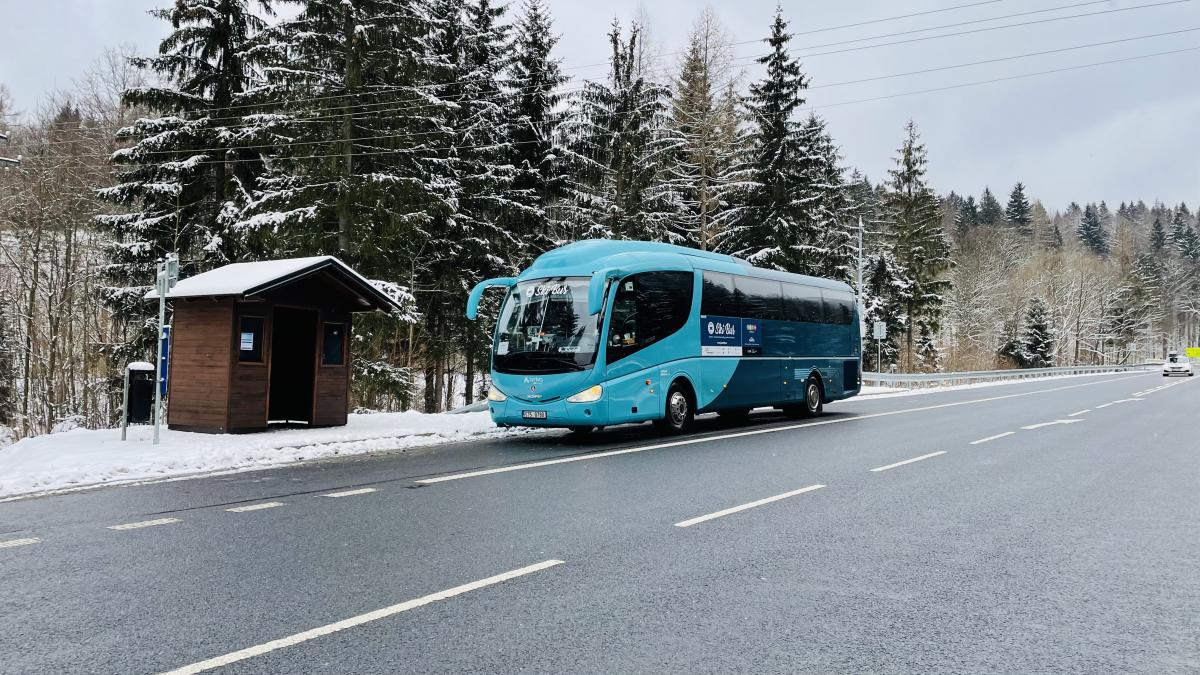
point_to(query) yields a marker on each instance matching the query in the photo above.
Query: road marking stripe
(1031, 427)
(1081, 412)
(742, 434)
(291, 640)
(11, 543)
(992, 438)
(254, 507)
(1129, 400)
(734, 509)
(1103, 405)
(350, 493)
(908, 461)
(144, 523)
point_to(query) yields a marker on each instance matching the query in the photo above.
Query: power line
(664, 70)
(368, 109)
(367, 153)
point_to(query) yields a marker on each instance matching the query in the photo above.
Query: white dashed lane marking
(992, 438)
(351, 493)
(13, 543)
(908, 461)
(743, 507)
(254, 507)
(144, 523)
(291, 640)
(1081, 412)
(1031, 427)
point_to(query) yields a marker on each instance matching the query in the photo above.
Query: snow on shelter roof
(252, 278)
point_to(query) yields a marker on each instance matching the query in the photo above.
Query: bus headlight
(495, 395)
(589, 395)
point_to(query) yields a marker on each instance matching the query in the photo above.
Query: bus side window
(717, 297)
(839, 307)
(647, 308)
(802, 303)
(758, 298)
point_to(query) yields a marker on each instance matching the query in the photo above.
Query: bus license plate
(533, 414)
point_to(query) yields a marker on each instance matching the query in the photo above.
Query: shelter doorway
(293, 365)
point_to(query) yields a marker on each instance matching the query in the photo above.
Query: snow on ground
(83, 457)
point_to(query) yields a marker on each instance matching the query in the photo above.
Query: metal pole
(125, 405)
(161, 285)
(860, 259)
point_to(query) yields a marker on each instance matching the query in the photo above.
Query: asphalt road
(775, 546)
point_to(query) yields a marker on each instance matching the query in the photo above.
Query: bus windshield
(545, 327)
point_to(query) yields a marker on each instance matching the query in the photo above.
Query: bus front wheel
(678, 415)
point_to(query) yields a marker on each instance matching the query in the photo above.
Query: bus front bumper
(513, 412)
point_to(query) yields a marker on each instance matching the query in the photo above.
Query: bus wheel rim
(678, 408)
(814, 396)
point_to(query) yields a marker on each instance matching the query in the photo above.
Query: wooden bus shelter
(265, 342)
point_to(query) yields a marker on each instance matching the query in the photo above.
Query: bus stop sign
(880, 330)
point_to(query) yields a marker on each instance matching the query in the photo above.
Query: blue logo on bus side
(720, 331)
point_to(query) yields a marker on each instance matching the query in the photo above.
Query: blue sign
(720, 336)
(164, 351)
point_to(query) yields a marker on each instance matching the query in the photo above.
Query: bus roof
(582, 258)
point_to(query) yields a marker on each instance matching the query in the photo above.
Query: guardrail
(935, 379)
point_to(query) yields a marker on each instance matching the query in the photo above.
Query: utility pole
(6, 161)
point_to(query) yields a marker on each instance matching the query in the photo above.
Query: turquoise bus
(602, 332)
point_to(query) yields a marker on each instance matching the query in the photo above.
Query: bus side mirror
(596, 289)
(477, 293)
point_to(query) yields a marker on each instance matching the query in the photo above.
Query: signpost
(880, 336)
(168, 274)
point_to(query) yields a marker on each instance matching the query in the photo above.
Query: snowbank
(83, 457)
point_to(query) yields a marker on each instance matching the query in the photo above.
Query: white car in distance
(1177, 364)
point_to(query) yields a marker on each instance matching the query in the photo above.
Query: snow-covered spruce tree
(885, 299)
(705, 165)
(929, 358)
(990, 211)
(1056, 238)
(617, 141)
(1091, 231)
(351, 123)
(347, 105)
(1158, 235)
(827, 206)
(1183, 239)
(533, 83)
(771, 226)
(183, 168)
(1019, 214)
(967, 218)
(1037, 340)
(918, 241)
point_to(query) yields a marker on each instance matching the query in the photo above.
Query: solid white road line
(359, 620)
(743, 434)
(992, 438)
(144, 523)
(908, 461)
(1128, 400)
(1031, 427)
(734, 509)
(1103, 405)
(11, 543)
(351, 493)
(254, 507)
(1081, 412)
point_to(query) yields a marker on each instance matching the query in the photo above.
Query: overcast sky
(1117, 132)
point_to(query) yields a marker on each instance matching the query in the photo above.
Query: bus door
(648, 311)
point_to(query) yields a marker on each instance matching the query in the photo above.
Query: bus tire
(814, 398)
(678, 412)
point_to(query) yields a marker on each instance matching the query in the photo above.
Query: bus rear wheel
(813, 399)
(678, 415)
